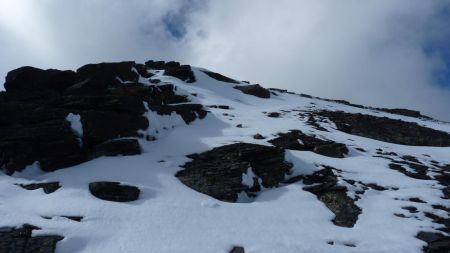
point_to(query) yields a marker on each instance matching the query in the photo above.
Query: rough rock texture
(19, 240)
(172, 68)
(219, 172)
(219, 77)
(117, 147)
(254, 90)
(107, 98)
(404, 112)
(323, 184)
(386, 129)
(437, 242)
(183, 72)
(47, 187)
(297, 140)
(114, 191)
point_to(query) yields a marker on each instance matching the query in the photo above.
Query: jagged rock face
(323, 184)
(182, 72)
(386, 129)
(64, 118)
(297, 140)
(20, 240)
(106, 97)
(219, 172)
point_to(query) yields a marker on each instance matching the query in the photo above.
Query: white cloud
(368, 52)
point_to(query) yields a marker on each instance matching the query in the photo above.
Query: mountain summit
(163, 157)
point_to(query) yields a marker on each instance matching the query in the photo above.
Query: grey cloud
(374, 52)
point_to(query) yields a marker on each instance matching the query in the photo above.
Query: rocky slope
(163, 157)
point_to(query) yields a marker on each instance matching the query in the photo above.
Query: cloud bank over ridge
(381, 53)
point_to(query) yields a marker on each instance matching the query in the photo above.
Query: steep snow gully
(162, 157)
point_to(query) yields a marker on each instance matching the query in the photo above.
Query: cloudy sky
(386, 53)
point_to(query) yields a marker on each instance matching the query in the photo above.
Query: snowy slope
(171, 217)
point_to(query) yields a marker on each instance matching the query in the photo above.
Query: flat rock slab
(219, 172)
(254, 90)
(387, 129)
(114, 191)
(219, 77)
(19, 240)
(296, 140)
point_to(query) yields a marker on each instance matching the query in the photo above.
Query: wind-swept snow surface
(171, 217)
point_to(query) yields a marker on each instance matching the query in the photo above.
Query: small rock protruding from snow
(114, 191)
(237, 249)
(47, 187)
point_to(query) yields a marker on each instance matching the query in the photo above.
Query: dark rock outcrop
(107, 98)
(47, 187)
(20, 240)
(273, 114)
(219, 172)
(297, 140)
(117, 147)
(323, 184)
(189, 112)
(416, 171)
(172, 68)
(237, 249)
(404, 112)
(114, 191)
(254, 90)
(219, 77)
(386, 129)
(183, 72)
(436, 242)
(73, 218)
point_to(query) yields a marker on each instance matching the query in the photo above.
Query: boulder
(219, 172)
(114, 191)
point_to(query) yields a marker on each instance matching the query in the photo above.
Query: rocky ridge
(58, 121)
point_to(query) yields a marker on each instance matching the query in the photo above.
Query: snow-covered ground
(171, 217)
